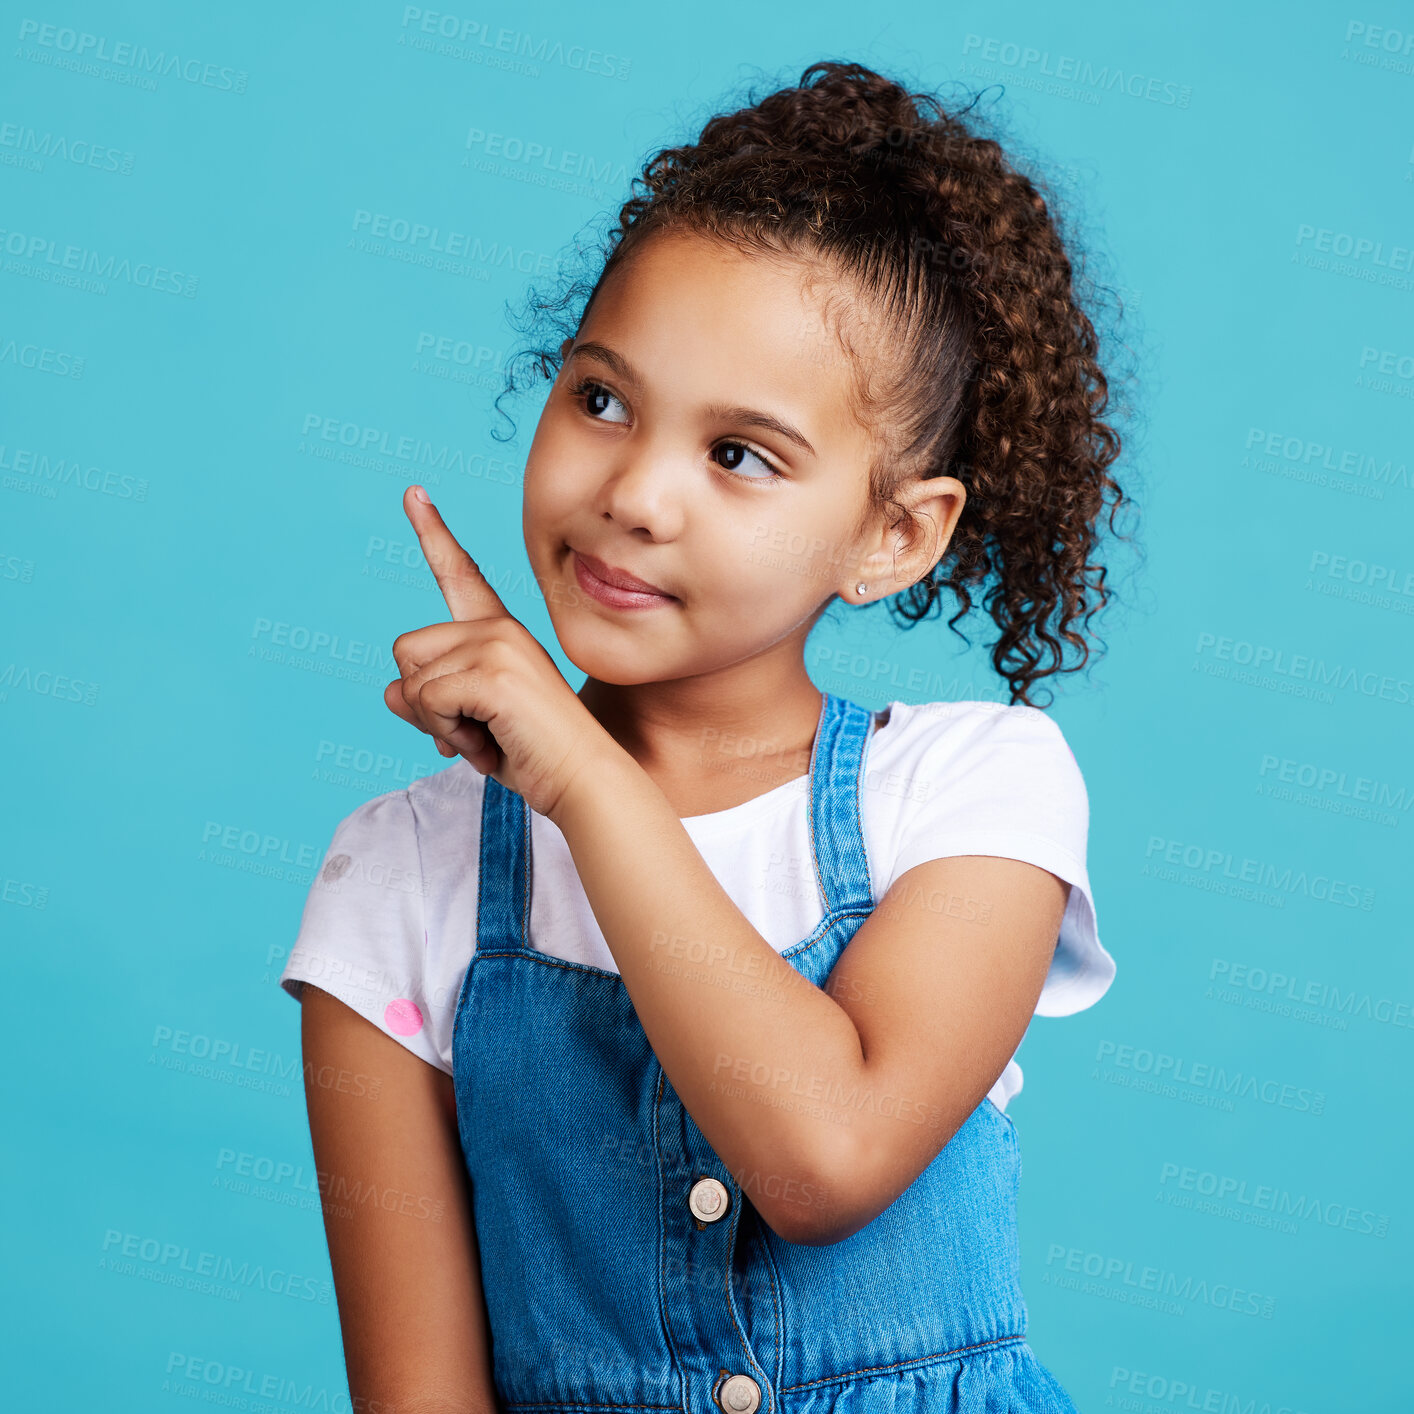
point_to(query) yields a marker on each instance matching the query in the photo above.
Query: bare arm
(923, 1005)
(941, 982)
(397, 1217)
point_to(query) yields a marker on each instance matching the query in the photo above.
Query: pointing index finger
(463, 586)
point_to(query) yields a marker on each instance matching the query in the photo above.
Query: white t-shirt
(389, 925)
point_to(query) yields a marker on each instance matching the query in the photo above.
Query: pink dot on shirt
(402, 1017)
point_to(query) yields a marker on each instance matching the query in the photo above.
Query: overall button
(708, 1201)
(739, 1394)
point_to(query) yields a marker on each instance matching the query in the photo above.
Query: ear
(903, 552)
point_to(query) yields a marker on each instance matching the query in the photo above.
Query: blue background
(168, 500)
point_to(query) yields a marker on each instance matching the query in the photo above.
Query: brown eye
(595, 398)
(736, 454)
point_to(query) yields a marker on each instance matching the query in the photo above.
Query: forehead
(704, 322)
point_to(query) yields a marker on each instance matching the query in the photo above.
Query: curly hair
(983, 364)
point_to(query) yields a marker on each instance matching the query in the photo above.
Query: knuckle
(499, 652)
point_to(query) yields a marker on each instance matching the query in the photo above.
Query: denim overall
(625, 1268)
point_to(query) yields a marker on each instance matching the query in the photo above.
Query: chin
(584, 646)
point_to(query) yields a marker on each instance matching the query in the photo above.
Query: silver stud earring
(860, 587)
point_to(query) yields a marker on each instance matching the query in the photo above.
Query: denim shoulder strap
(836, 804)
(836, 832)
(503, 872)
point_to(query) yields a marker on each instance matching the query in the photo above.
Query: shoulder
(449, 796)
(398, 878)
(388, 832)
(960, 723)
(986, 745)
(379, 817)
(998, 779)
(980, 778)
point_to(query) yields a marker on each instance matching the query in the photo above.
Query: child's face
(750, 533)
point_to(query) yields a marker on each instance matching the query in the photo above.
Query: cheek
(554, 477)
(760, 570)
(787, 559)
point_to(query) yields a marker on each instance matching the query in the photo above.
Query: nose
(644, 490)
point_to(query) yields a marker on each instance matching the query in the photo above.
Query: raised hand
(482, 686)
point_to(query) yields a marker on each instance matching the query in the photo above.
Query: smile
(615, 596)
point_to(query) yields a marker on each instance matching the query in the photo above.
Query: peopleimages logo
(83, 50)
(1380, 47)
(1260, 872)
(1197, 1077)
(33, 147)
(175, 1264)
(462, 37)
(1333, 781)
(41, 359)
(1123, 1278)
(1067, 69)
(1269, 1199)
(354, 443)
(1186, 1394)
(551, 160)
(1274, 664)
(1355, 247)
(45, 253)
(216, 1382)
(64, 471)
(1282, 989)
(1322, 456)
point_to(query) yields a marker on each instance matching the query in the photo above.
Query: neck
(702, 727)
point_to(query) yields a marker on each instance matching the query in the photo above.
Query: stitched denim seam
(550, 960)
(524, 811)
(673, 1408)
(773, 1276)
(822, 928)
(464, 994)
(916, 1362)
(662, 1254)
(735, 1221)
(1004, 1116)
(826, 716)
(859, 802)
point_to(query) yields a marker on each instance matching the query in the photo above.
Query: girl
(668, 1034)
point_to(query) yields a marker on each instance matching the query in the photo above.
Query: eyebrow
(743, 416)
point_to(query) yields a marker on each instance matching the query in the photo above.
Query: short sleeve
(1002, 780)
(362, 937)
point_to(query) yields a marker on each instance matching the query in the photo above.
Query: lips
(620, 579)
